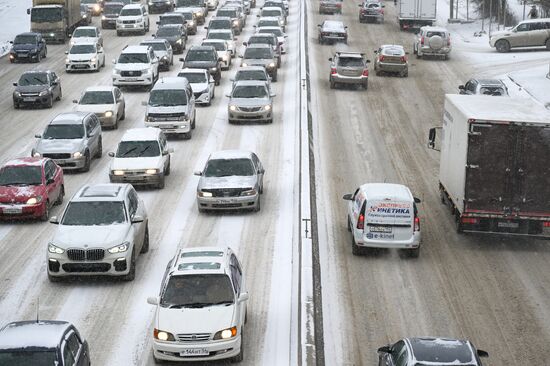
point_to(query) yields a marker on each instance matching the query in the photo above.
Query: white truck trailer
(416, 13)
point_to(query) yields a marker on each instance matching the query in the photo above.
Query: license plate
(226, 201)
(194, 352)
(131, 79)
(28, 99)
(129, 26)
(380, 229)
(511, 225)
(12, 210)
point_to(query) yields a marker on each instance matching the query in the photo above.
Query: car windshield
(170, 20)
(229, 167)
(157, 46)
(350, 62)
(133, 58)
(82, 48)
(194, 77)
(271, 13)
(219, 24)
(188, 3)
(276, 31)
(226, 36)
(138, 149)
(97, 97)
(26, 357)
(20, 175)
(26, 39)
(45, 15)
(249, 91)
(197, 290)
(94, 213)
(227, 13)
(61, 131)
(167, 97)
(187, 16)
(258, 53)
(33, 79)
(261, 40)
(199, 55)
(84, 32)
(492, 90)
(268, 23)
(168, 32)
(251, 75)
(130, 12)
(219, 46)
(112, 9)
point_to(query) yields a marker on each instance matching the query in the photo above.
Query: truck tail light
(422, 41)
(361, 222)
(333, 70)
(381, 58)
(417, 223)
(468, 220)
(366, 72)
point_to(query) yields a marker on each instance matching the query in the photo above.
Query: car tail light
(468, 220)
(448, 40)
(338, 5)
(381, 58)
(333, 70)
(546, 224)
(366, 72)
(403, 58)
(417, 223)
(422, 41)
(361, 222)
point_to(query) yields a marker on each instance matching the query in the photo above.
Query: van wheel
(503, 45)
(414, 253)
(355, 249)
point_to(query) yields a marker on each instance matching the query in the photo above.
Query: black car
(204, 57)
(175, 34)
(86, 15)
(44, 342)
(111, 11)
(430, 351)
(160, 6)
(28, 46)
(37, 88)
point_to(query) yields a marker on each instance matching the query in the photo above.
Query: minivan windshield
(69, 132)
(35, 357)
(167, 97)
(197, 290)
(20, 175)
(229, 167)
(97, 97)
(94, 213)
(138, 149)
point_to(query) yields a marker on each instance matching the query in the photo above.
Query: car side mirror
(182, 59)
(273, 95)
(198, 173)
(330, 59)
(144, 103)
(50, 181)
(261, 171)
(368, 61)
(111, 154)
(136, 219)
(461, 87)
(482, 353)
(28, 11)
(384, 349)
(114, 61)
(75, 101)
(66, 52)
(100, 50)
(14, 84)
(375, 51)
(54, 220)
(348, 197)
(38, 136)
(417, 200)
(153, 300)
(158, 22)
(360, 5)
(243, 297)
(406, 53)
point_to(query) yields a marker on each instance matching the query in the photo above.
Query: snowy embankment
(13, 20)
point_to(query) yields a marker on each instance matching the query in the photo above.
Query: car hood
(227, 182)
(84, 40)
(249, 102)
(24, 47)
(501, 33)
(198, 87)
(129, 17)
(131, 67)
(59, 145)
(31, 88)
(199, 64)
(94, 236)
(210, 319)
(81, 56)
(141, 163)
(95, 108)
(19, 193)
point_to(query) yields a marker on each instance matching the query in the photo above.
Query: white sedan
(85, 57)
(107, 102)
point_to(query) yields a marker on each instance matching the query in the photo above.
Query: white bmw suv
(136, 66)
(201, 308)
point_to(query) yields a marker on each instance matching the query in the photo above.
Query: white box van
(383, 215)
(171, 106)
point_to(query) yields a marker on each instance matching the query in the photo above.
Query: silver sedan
(250, 101)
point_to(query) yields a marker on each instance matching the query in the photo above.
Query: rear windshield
(94, 213)
(197, 291)
(251, 75)
(28, 357)
(350, 62)
(276, 31)
(226, 36)
(168, 32)
(219, 24)
(261, 40)
(258, 53)
(268, 23)
(432, 33)
(84, 32)
(232, 13)
(200, 55)
(189, 3)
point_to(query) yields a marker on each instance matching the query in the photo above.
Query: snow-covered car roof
(188, 70)
(333, 25)
(235, 154)
(351, 54)
(132, 6)
(201, 259)
(69, 118)
(142, 133)
(387, 191)
(434, 29)
(99, 88)
(26, 161)
(101, 192)
(135, 49)
(24, 334)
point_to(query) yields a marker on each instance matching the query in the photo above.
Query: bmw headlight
(267, 107)
(120, 248)
(109, 114)
(151, 171)
(55, 249)
(34, 200)
(117, 172)
(233, 108)
(77, 155)
(205, 194)
(226, 333)
(43, 93)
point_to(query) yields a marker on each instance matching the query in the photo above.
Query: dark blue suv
(28, 47)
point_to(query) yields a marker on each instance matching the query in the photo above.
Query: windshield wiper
(144, 150)
(129, 151)
(189, 305)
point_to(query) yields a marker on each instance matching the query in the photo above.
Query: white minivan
(383, 215)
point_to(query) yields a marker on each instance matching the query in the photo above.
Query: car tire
(118, 33)
(162, 182)
(274, 78)
(59, 199)
(414, 253)
(258, 206)
(123, 114)
(202, 210)
(132, 272)
(366, 85)
(349, 225)
(46, 215)
(145, 245)
(45, 52)
(39, 57)
(87, 162)
(240, 356)
(414, 49)
(502, 46)
(60, 95)
(16, 105)
(99, 152)
(418, 55)
(332, 84)
(548, 44)
(49, 104)
(355, 249)
(187, 136)
(193, 124)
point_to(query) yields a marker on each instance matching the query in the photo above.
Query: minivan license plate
(380, 229)
(194, 352)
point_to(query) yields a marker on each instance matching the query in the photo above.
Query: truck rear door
(426, 9)
(507, 171)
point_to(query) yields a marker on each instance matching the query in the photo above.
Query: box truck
(494, 171)
(416, 13)
(55, 19)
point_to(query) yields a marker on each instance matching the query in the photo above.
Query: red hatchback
(29, 187)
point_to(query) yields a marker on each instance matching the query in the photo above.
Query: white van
(383, 215)
(171, 106)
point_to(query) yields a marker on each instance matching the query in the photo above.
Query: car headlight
(191, 23)
(199, 14)
(93, 59)
(109, 114)
(267, 107)
(244, 64)
(235, 22)
(77, 155)
(55, 249)
(178, 41)
(43, 93)
(146, 71)
(36, 154)
(163, 336)
(233, 108)
(116, 71)
(96, 7)
(117, 172)
(120, 248)
(205, 194)
(271, 65)
(151, 171)
(250, 192)
(213, 69)
(67, 61)
(165, 58)
(103, 17)
(34, 200)
(17, 94)
(225, 58)
(226, 333)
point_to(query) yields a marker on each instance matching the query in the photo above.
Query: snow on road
(13, 20)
